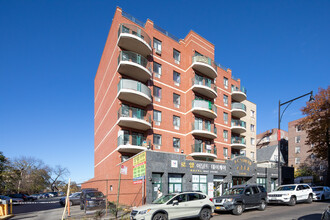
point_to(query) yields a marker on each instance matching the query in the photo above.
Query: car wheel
(292, 201)
(310, 199)
(238, 209)
(205, 214)
(263, 205)
(160, 216)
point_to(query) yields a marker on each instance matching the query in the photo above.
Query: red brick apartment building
(166, 112)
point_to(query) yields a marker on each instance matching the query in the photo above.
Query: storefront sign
(198, 167)
(139, 167)
(242, 166)
(174, 163)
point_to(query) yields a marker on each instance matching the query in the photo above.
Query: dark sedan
(73, 198)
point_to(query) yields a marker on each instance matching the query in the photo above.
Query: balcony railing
(204, 104)
(134, 85)
(204, 148)
(204, 127)
(238, 123)
(135, 58)
(237, 105)
(132, 112)
(134, 140)
(134, 30)
(204, 82)
(238, 140)
(205, 60)
(236, 89)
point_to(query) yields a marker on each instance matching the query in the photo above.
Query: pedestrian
(159, 193)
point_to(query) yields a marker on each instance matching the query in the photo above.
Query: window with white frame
(297, 139)
(158, 46)
(225, 135)
(252, 113)
(253, 141)
(225, 152)
(297, 150)
(157, 117)
(252, 128)
(225, 100)
(157, 140)
(157, 69)
(176, 100)
(176, 78)
(252, 155)
(225, 82)
(312, 145)
(176, 56)
(176, 144)
(157, 93)
(298, 128)
(176, 122)
(297, 160)
(225, 117)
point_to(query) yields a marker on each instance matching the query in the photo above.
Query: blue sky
(50, 51)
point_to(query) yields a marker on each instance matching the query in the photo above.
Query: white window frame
(157, 46)
(177, 61)
(176, 122)
(157, 145)
(225, 114)
(177, 83)
(225, 82)
(297, 149)
(157, 69)
(158, 115)
(225, 100)
(225, 135)
(157, 98)
(297, 139)
(176, 101)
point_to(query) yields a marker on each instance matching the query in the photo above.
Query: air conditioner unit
(177, 61)
(157, 51)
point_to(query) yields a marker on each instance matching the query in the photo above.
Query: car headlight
(143, 212)
(228, 200)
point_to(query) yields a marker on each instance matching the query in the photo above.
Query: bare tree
(58, 173)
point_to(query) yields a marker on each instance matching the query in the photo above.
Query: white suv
(176, 206)
(290, 194)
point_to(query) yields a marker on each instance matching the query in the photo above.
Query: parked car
(14, 200)
(176, 206)
(22, 196)
(73, 198)
(91, 199)
(291, 194)
(242, 197)
(321, 192)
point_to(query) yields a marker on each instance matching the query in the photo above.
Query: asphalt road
(300, 211)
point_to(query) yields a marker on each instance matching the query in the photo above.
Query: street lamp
(311, 98)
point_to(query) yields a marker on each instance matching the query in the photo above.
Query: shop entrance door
(240, 180)
(156, 184)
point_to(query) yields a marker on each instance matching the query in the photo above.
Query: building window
(252, 155)
(252, 113)
(297, 150)
(253, 141)
(312, 156)
(174, 183)
(176, 56)
(225, 117)
(262, 181)
(157, 93)
(157, 69)
(199, 183)
(158, 46)
(242, 152)
(157, 141)
(225, 82)
(225, 135)
(225, 152)
(176, 122)
(176, 78)
(157, 117)
(321, 167)
(298, 128)
(176, 100)
(225, 100)
(297, 160)
(312, 145)
(176, 144)
(297, 139)
(252, 128)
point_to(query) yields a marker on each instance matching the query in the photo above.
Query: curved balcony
(204, 130)
(204, 87)
(127, 144)
(238, 142)
(204, 108)
(134, 118)
(237, 94)
(134, 65)
(204, 65)
(133, 38)
(238, 109)
(134, 92)
(203, 151)
(238, 126)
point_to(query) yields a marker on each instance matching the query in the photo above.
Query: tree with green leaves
(317, 125)
(3, 167)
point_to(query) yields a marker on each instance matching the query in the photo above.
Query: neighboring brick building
(169, 114)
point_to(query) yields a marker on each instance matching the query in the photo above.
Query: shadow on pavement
(311, 217)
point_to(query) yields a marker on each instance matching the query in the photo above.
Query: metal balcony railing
(204, 148)
(135, 140)
(204, 127)
(237, 105)
(205, 60)
(236, 89)
(204, 104)
(134, 30)
(132, 112)
(238, 140)
(135, 58)
(204, 82)
(134, 85)
(239, 123)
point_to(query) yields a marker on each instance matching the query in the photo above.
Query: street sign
(123, 170)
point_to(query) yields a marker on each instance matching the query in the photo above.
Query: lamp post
(311, 98)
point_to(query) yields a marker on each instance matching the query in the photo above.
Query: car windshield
(285, 188)
(163, 199)
(94, 194)
(233, 191)
(317, 189)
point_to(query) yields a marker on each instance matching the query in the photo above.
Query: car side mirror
(175, 202)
